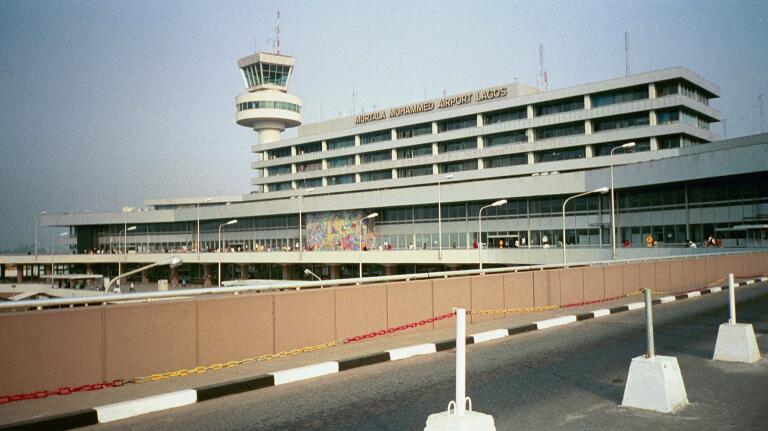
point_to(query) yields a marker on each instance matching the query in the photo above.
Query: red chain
(66, 390)
(596, 301)
(398, 328)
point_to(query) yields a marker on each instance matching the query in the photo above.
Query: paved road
(564, 378)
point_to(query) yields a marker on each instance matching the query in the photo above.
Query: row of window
(266, 73)
(268, 104)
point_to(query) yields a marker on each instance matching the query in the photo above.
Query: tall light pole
(37, 222)
(119, 256)
(301, 228)
(600, 190)
(440, 218)
(233, 221)
(360, 242)
(172, 262)
(52, 271)
(480, 229)
(613, 210)
(198, 226)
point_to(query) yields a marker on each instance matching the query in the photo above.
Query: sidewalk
(56, 405)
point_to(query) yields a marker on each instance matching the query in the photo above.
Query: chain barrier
(394, 329)
(66, 390)
(513, 310)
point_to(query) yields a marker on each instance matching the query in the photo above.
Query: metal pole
(301, 242)
(219, 273)
(651, 351)
(480, 237)
(439, 223)
(461, 362)
(360, 248)
(52, 271)
(732, 298)
(613, 213)
(198, 231)
(565, 260)
(37, 222)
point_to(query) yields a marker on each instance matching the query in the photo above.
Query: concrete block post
(286, 272)
(654, 382)
(243, 271)
(19, 273)
(736, 342)
(335, 272)
(144, 277)
(390, 269)
(207, 279)
(89, 268)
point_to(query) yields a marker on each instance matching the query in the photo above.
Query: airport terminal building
(678, 182)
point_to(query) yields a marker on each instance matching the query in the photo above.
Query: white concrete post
(461, 360)
(732, 298)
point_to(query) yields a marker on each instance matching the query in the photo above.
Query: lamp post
(480, 229)
(233, 221)
(119, 257)
(360, 242)
(301, 240)
(613, 211)
(440, 218)
(52, 271)
(307, 271)
(600, 190)
(198, 226)
(37, 223)
(172, 262)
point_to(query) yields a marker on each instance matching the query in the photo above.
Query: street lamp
(172, 262)
(440, 218)
(233, 221)
(480, 229)
(360, 242)
(308, 272)
(119, 262)
(198, 225)
(52, 271)
(301, 241)
(613, 211)
(37, 222)
(601, 190)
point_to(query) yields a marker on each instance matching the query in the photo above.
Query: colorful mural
(338, 230)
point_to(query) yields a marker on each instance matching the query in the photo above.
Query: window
(667, 116)
(560, 130)
(412, 131)
(276, 187)
(511, 114)
(619, 96)
(338, 162)
(369, 138)
(508, 160)
(666, 142)
(315, 165)
(311, 147)
(694, 93)
(416, 151)
(278, 153)
(456, 123)
(605, 149)
(667, 88)
(308, 183)
(278, 170)
(268, 105)
(341, 179)
(557, 106)
(463, 144)
(376, 175)
(505, 138)
(562, 154)
(347, 141)
(377, 156)
(464, 165)
(620, 122)
(415, 171)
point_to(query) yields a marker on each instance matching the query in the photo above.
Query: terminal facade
(679, 183)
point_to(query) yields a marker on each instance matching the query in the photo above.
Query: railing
(237, 289)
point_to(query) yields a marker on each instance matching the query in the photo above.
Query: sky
(106, 103)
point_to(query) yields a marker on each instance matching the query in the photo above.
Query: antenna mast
(543, 84)
(277, 30)
(626, 53)
(760, 101)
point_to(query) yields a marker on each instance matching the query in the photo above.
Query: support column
(19, 273)
(207, 276)
(243, 271)
(286, 272)
(144, 277)
(390, 269)
(335, 272)
(89, 268)
(174, 277)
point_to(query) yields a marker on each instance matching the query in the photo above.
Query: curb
(132, 408)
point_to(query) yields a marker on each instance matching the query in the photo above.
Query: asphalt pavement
(562, 378)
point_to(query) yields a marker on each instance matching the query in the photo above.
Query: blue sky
(106, 103)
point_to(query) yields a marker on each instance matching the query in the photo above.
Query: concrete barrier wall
(69, 347)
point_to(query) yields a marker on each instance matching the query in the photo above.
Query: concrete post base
(736, 343)
(470, 421)
(655, 384)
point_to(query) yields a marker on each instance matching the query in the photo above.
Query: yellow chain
(515, 310)
(230, 364)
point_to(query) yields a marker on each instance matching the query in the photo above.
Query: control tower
(267, 107)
